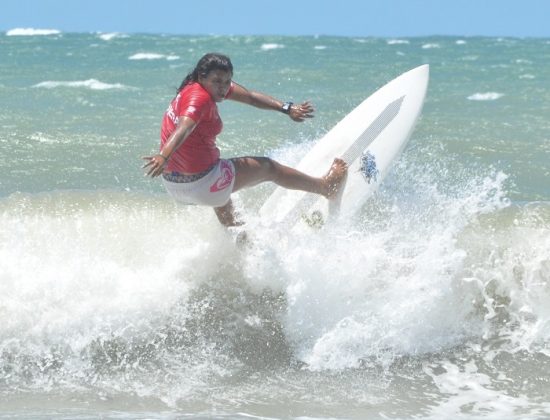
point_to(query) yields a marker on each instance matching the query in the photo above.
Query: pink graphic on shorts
(225, 178)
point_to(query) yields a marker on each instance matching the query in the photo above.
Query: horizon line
(35, 31)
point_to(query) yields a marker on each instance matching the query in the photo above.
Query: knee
(268, 168)
(268, 164)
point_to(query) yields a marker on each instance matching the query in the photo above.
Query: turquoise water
(431, 303)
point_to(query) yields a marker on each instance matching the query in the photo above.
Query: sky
(379, 18)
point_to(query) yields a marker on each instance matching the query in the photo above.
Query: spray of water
(110, 293)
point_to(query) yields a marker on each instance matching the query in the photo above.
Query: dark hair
(208, 62)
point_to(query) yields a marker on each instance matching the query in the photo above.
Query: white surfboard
(369, 139)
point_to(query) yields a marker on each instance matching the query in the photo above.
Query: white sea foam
(31, 32)
(46, 139)
(91, 277)
(466, 385)
(88, 302)
(153, 56)
(92, 84)
(121, 285)
(527, 76)
(271, 46)
(111, 35)
(396, 285)
(460, 42)
(430, 46)
(320, 47)
(485, 96)
(395, 288)
(398, 41)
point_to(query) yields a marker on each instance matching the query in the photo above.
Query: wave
(523, 61)
(153, 56)
(111, 35)
(46, 139)
(271, 46)
(430, 46)
(31, 32)
(485, 96)
(97, 297)
(92, 84)
(397, 42)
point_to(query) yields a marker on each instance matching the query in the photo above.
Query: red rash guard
(199, 151)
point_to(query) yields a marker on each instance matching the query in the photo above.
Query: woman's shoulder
(194, 94)
(194, 88)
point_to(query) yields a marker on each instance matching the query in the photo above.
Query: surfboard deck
(369, 139)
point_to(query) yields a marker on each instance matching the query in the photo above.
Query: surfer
(189, 160)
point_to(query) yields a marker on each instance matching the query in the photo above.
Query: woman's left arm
(298, 112)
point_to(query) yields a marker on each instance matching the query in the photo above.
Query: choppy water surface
(431, 303)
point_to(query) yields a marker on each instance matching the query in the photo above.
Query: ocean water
(433, 302)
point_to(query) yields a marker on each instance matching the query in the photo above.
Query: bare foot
(335, 178)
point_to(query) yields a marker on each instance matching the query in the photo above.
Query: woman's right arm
(157, 162)
(298, 112)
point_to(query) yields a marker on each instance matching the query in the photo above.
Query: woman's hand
(299, 112)
(155, 164)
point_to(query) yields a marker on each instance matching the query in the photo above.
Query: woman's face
(216, 83)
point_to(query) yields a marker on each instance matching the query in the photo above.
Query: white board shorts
(214, 189)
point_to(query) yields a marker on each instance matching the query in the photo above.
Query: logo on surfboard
(368, 167)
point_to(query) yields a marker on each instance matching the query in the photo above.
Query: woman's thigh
(251, 170)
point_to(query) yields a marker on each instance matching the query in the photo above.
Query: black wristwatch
(285, 109)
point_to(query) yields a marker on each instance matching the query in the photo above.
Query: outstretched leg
(250, 171)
